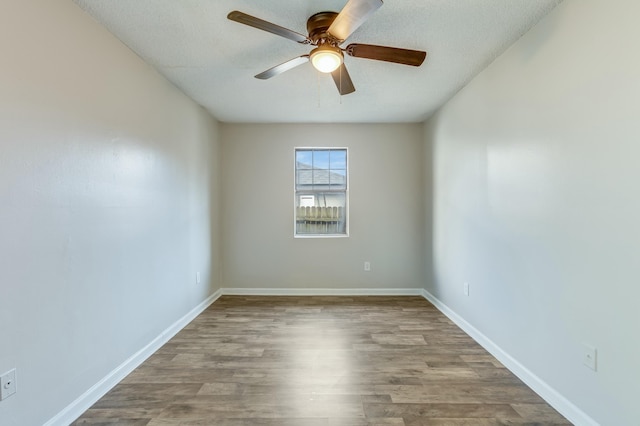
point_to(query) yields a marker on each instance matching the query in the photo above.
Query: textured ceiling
(213, 60)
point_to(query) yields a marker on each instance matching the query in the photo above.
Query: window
(321, 192)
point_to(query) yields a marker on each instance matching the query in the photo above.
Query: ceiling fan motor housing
(317, 26)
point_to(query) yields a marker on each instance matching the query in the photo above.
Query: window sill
(321, 236)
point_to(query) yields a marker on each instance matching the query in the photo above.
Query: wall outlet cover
(8, 384)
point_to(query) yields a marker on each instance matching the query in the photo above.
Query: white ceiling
(213, 60)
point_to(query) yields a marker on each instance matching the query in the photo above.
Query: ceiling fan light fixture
(326, 58)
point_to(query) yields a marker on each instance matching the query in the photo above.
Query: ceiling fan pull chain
(318, 87)
(340, 91)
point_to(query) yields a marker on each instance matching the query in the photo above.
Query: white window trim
(347, 201)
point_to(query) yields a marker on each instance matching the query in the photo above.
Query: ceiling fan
(327, 31)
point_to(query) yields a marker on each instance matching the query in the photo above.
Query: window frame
(344, 234)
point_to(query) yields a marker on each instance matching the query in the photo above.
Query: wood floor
(297, 361)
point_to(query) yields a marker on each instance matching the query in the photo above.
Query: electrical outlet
(367, 266)
(590, 357)
(465, 288)
(8, 385)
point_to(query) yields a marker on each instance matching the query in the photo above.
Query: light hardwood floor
(321, 361)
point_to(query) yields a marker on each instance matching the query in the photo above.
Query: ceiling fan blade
(343, 80)
(286, 66)
(352, 15)
(389, 54)
(261, 24)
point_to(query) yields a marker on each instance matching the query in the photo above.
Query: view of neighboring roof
(308, 176)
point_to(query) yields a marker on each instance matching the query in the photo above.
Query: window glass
(321, 159)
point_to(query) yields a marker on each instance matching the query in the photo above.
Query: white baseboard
(97, 391)
(322, 291)
(546, 392)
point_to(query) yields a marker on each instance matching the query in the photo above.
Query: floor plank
(307, 361)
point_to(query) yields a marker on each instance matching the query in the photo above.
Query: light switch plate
(590, 357)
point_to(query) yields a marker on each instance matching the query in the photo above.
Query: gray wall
(108, 201)
(536, 204)
(386, 203)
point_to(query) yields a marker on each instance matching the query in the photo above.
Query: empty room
(335, 212)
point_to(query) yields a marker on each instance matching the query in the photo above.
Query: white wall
(536, 204)
(258, 209)
(107, 203)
